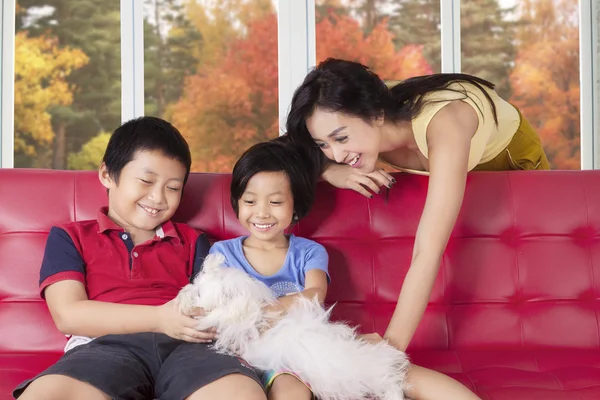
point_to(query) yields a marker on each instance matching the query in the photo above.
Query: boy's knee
(50, 387)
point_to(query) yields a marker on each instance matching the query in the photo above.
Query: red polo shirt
(101, 255)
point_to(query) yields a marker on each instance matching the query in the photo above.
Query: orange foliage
(225, 108)
(342, 37)
(545, 80)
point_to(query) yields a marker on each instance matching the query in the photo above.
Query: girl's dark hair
(278, 155)
(352, 88)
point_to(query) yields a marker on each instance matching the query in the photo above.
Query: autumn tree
(486, 36)
(226, 108)
(326, 8)
(410, 22)
(91, 154)
(342, 37)
(545, 79)
(171, 52)
(230, 105)
(221, 22)
(41, 72)
(94, 27)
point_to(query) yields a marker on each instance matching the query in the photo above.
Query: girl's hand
(346, 177)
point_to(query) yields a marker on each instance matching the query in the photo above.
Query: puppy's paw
(185, 299)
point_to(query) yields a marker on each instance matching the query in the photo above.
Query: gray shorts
(145, 366)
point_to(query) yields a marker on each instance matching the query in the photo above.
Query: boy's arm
(62, 278)
(74, 314)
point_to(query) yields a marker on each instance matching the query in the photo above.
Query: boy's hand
(182, 327)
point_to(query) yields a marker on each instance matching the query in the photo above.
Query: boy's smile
(146, 194)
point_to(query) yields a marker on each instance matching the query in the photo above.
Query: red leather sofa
(514, 313)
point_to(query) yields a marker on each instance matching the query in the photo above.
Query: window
(596, 73)
(211, 69)
(224, 71)
(67, 82)
(530, 50)
(396, 39)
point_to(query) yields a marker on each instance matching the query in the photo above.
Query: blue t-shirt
(302, 256)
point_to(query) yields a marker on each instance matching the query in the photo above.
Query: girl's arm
(449, 137)
(315, 285)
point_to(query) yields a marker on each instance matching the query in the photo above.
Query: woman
(441, 125)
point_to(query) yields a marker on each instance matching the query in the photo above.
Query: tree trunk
(59, 154)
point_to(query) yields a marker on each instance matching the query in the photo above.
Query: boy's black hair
(149, 134)
(278, 155)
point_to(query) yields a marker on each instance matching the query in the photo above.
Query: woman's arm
(344, 176)
(449, 137)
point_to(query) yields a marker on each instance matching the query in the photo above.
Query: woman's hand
(346, 177)
(373, 338)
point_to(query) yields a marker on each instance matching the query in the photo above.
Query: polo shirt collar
(166, 230)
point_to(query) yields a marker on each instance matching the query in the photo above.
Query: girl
(272, 188)
(441, 125)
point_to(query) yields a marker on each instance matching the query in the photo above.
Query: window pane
(397, 39)
(211, 69)
(67, 81)
(530, 50)
(597, 88)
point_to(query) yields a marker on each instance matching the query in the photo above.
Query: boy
(114, 278)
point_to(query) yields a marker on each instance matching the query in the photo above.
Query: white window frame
(587, 83)
(296, 49)
(450, 36)
(296, 56)
(596, 81)
(132, 59)
(7, 83)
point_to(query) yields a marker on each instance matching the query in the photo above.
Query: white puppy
(329, 356)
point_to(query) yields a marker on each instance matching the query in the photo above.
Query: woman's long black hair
(352, 88)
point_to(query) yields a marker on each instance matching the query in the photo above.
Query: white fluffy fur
(329, 356)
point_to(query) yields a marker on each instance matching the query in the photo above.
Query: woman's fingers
(382, 178)
(357, 187)
(368, 182)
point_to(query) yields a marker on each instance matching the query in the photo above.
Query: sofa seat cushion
(547, 374)
(17, 367)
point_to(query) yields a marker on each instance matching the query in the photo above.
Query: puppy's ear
(213, 261)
